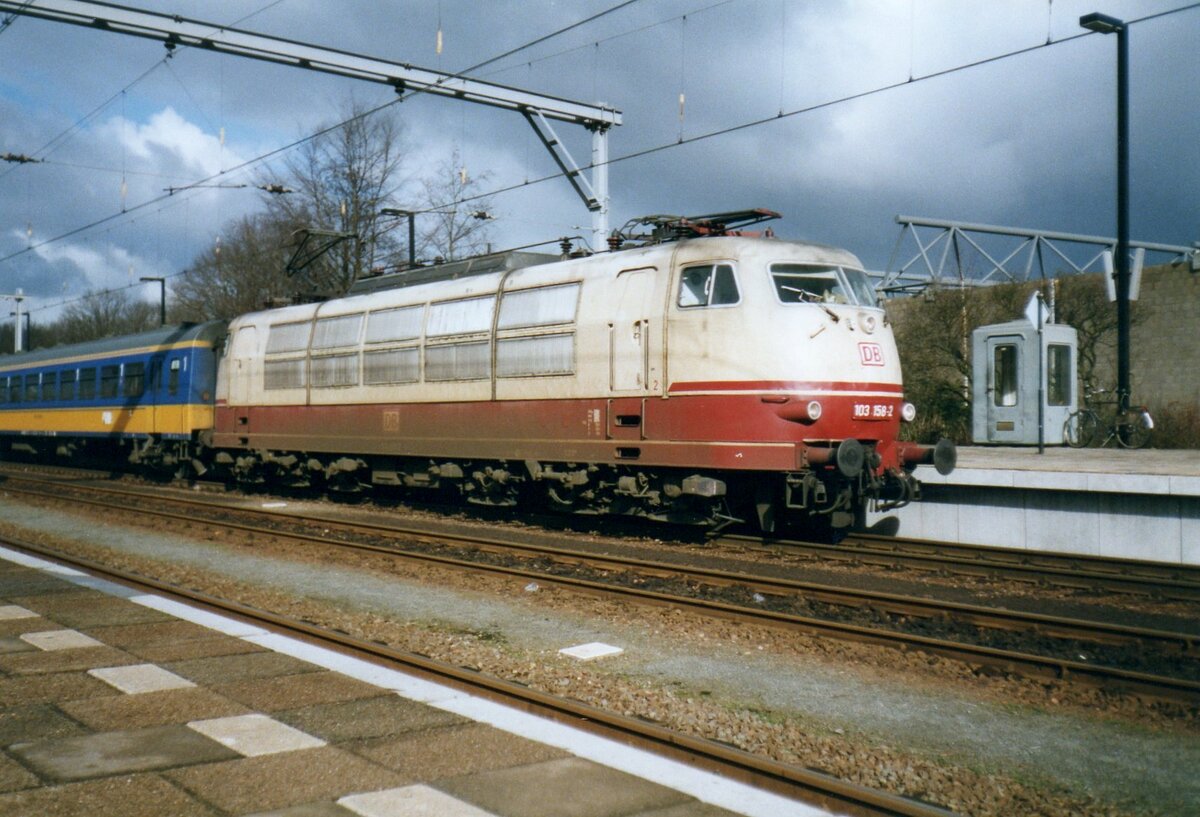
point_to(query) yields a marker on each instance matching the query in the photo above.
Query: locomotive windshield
(808, 283)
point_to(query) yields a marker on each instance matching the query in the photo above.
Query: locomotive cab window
(802, 283)
(708, 285)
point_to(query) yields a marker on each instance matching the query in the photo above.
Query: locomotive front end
(851, 405)
(797, 356)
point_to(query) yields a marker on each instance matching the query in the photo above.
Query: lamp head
(1101, 23)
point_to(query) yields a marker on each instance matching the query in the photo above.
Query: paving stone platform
(112, 704)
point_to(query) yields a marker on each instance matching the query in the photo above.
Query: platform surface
(113, 704)
(1110, 470)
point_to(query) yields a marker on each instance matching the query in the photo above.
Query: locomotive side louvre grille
(458, 361)
(389, 325)
(288, 337)
(542, 306)
(536, 355)
(392, 366)
(288, 373)
(461, 317)
(342, 330)
(335, 370)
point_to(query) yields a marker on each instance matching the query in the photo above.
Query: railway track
(792, 781)
(1154, 663)
(1073, 571)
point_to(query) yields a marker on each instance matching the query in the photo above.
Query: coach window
(3, 390)
(31, 388)
(110, 376)
(14, 389)
(135, 379)
(708, 285)
(49, 385)
(66, 385)
(87, 384)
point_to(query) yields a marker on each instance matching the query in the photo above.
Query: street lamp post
(1103, 24)
(28, 329)
(162, 296)
(18, 296)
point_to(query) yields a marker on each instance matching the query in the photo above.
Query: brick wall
(1164, 354)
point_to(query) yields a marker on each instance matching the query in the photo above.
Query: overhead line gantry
(538, 109)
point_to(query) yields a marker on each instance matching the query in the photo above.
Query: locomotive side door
(1005, 388)
(629, 331)
(241, 353)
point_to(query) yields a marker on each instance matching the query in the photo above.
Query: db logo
(871, 354)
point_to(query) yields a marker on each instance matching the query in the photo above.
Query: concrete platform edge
(703, 786)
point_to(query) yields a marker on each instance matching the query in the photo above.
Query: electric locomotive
(694, 373)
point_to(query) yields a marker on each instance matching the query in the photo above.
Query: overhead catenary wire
(315, 135)
(641, 153)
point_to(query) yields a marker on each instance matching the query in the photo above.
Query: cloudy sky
(1026, 140)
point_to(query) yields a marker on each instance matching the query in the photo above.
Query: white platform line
(705, 786)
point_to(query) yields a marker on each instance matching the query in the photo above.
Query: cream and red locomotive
(692, 374)
(695, 375)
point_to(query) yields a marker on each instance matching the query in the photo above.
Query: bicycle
(1130, 427)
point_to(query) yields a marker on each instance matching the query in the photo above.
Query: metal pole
(1104, 24)
(1123, 374)
(18, 344)
(600, 189)
(412, 240)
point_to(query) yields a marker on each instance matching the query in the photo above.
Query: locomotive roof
(163, 336)
(480, 265)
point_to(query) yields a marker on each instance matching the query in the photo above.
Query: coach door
(629, 332)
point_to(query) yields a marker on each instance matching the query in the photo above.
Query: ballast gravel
(905, 722)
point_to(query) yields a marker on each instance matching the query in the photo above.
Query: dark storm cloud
(1026, 141)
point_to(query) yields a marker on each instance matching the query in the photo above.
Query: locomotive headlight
(867, 322)
(908, 412)
(814, 410)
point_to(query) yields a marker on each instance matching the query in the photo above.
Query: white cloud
(168, 142)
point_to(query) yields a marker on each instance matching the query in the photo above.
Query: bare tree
(242, 274)
(457, 220)
(340, 181)
(102, 314)
(1083, 303)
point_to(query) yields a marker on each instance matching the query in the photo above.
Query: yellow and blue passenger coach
(144, 397)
